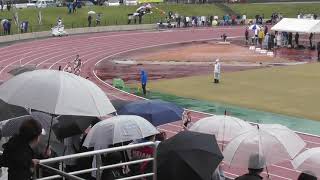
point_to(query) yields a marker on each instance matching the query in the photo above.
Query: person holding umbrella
(256, 166)
(144, 80)
(18, 154)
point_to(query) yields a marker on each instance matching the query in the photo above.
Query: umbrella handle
(268, 175)
(48, 143)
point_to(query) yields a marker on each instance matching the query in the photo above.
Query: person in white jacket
(217, 71)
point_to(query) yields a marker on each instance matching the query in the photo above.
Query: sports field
(287, 90)
(118, 15)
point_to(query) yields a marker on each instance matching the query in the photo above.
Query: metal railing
(99, 166)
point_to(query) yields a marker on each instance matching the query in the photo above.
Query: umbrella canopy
(309, 160)
(254, 27)
(11, 127)
(21, 69)
(223, 127)
(8, 111)
(155, 111)
(91, 12)
(68, 126)
(56, 92)
(118, 103)
(188, 156)
(276, 143)
(118, 129)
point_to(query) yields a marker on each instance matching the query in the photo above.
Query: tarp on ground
(297, 25)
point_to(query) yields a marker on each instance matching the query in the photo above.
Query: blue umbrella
(157, 112)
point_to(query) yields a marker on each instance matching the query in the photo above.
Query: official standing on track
(144, 80)
(217, 71)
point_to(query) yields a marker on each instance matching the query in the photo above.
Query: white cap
(256, 161)
(43, 132)
(217, 60)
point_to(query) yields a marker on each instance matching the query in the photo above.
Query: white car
(112, 3)
(130, 2)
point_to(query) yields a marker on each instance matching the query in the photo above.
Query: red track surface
(54, 52)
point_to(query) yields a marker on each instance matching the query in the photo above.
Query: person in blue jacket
(144, 80)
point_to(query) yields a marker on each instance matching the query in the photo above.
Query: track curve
(54, 52)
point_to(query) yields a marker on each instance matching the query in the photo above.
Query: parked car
(112, 3)
(130, 2)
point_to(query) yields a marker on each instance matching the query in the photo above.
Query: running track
(93, 48)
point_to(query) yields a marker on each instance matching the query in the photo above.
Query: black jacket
(17, 156)
(249, 177)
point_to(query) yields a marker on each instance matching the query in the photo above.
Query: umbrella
(56, 92)
(11, 127)
(118, 103)
(91, 12)
(21, 69)
(188, 155)
(155, 111)
(254, 27)
(309, 160)
(223, 127)
(118, 129)
(276, 143)
(68, 126)
(8, 111)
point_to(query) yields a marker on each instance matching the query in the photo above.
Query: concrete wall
(44, 34)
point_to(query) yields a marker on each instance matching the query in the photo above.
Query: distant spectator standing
(8, 5)
(310, 40)
(18, 154)
(144, 80)
(290, 39)
(217, 71)
(246, 34)
(89, 20)
(98, 19)
(70, 6)
(74, 6)
(1, 4)
(261, 37)
(296, 38)
(318, 49)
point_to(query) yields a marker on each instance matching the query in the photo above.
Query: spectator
(70, 6)
(279, 39)
(9, 27)
(211, 19)
(98, 19)
(256, 166)
(246, 34)
(89, 20)
(18, 154)
(290, 39)
(261, 37)
(186, 120)
(217, 70)
(266, 29)
(218, 174)
(306, 175)
(144, 80)
(296, 38)
(74, 6)
(72, 146)
(1, 4)
(130, 17)
(318, 49)
(8, 5)
(310, 40)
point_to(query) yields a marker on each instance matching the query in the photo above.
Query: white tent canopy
(297, 25)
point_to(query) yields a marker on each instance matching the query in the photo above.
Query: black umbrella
(8, 111)
(68, 126)
(21, 69)
(118, 103)
(188, 156)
